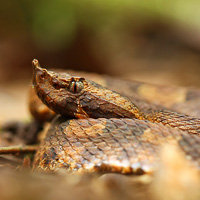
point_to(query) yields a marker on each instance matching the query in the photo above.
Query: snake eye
(76, 86)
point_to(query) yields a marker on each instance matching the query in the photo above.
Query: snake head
(59, 91)
(75, 96)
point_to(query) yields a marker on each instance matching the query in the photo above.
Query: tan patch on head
(162, 95)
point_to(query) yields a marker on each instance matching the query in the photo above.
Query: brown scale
(107, 145)
(131, 147)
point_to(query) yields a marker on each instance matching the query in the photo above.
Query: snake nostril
(42, 76)
(56, 86)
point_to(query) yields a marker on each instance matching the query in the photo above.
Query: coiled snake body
(111, 133)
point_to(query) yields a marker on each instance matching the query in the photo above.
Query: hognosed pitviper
(102, 130)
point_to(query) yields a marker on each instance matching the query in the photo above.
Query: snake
(110, 129)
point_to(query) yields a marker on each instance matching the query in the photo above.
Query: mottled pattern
(111, 145)
(177, 120)
(180, 99)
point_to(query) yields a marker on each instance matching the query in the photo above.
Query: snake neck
(139, 114)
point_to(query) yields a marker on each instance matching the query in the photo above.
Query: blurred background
(153, 41)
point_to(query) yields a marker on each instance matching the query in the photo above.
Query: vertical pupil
(74, 87)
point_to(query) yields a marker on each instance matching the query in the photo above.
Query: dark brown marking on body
(112, 145)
